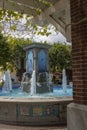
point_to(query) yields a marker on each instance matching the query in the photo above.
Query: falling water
(23, 80)
(49, 82)
(64, 81)
(33, 83)
(7, 87)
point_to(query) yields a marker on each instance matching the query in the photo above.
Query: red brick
(79, 50)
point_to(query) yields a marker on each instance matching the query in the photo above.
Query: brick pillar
(79, 49)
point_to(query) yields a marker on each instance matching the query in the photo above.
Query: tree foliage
(60, 56)
(16, 49)
(11, 51)
(12, 21)
(18, 54)
(5, 53)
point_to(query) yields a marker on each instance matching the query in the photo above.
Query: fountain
(37, 101)
(33, 84)
(7, 87)
(64, 81)
(26, 82)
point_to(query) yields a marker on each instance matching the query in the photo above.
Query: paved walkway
(15, 127)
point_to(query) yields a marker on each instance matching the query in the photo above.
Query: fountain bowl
(34, 110)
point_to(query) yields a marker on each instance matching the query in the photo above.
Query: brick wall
(79, 49)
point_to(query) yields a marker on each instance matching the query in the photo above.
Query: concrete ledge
(76, 117)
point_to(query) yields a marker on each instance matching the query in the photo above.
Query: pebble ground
(15, 127)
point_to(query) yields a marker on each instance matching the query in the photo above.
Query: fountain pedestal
(43, 84)
(37, 60)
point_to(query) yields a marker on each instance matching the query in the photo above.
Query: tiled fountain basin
(34, 111)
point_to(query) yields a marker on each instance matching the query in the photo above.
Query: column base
(76, 117)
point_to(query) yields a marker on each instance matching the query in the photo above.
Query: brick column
(79, 49)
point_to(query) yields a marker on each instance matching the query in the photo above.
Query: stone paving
(15, 127)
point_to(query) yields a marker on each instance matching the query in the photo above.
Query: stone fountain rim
(35, 100)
